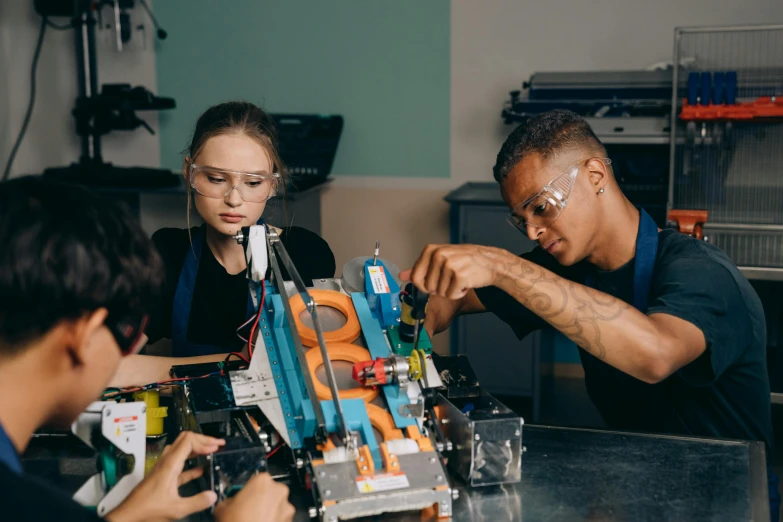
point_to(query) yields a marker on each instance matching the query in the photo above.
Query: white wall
(51, 139)
(498, 44)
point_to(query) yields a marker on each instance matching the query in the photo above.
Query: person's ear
(598, 172)
(82, 331)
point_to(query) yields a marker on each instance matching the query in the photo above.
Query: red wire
(274, 450)
(237, 354)
(255, 324)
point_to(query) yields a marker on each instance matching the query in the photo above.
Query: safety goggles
(128, 331)
(253, 187)
(543, 208)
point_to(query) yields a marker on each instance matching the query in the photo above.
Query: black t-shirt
(26, 499)
(723, 393)
(219, 303)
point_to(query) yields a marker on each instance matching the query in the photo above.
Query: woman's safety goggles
(253, 187)
(543, 208)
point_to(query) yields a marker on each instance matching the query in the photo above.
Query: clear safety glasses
(542, 209)
(253, 187)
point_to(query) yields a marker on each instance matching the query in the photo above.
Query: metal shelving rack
(733, 169)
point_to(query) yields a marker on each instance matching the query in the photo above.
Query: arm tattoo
(575, 310)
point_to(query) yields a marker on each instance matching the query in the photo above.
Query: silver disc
(353, 273)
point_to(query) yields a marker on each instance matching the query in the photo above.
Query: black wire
(58, 27)
(29, 113)
(149, 12)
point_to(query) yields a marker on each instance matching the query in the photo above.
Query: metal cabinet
(504, 365)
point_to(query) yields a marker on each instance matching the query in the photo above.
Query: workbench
(571, 475)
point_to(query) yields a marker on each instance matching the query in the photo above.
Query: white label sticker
(125, 425)
(378, 279)
(385, 482)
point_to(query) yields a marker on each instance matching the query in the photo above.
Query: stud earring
(601, 191)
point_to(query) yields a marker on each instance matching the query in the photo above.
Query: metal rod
(729, 28)
(311, 306)
(759, 227)
(377, 253)
(273, 238)
(673, 122)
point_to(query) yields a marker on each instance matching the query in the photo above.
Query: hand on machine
(428, 409)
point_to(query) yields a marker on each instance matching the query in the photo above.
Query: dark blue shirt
(8, 453)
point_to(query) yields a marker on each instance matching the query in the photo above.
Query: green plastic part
(400, 347)
(109, 467)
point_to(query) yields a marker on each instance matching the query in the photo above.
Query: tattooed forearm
(576, 310)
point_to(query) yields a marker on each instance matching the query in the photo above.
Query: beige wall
(51, 138)
(403, 220)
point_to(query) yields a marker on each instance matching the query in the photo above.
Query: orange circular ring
(347, 333)
(339, 352)
(382, 421)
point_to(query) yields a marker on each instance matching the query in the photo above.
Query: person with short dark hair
(78, 278)
(672, 335)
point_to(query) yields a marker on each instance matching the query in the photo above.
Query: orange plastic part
(347, 333)
(425, 444)
(689, 222)
(339, 352)
(763, 107)
(390, 461)
(382, 421)
(364, 462)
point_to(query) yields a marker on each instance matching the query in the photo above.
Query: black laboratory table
(578, 475)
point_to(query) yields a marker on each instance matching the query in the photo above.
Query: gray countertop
(580, 475)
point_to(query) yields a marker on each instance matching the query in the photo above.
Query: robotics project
(381, 447)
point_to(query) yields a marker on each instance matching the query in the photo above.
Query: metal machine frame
(334, 447)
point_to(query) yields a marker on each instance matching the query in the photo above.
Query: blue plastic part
(693, 88)
(379, 347)
(288, 382)
(718, 88)
(705, 88)
(385, 305)
(731, 87)
(355, 413)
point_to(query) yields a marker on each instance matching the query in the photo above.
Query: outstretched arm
(648, 347)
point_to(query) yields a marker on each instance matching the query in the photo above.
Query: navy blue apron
(644, 264)
(180, 315)
(644, 261)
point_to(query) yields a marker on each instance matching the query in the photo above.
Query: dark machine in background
(113, 106)
(628, 110)
(308, 145)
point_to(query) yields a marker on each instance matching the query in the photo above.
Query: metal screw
(477, 437)
(455, 493)
(321, 474)
(266, 334)
(288, 414)
(433, 460)
(439, 478)
(266, 393)
(312, 512)
(327, 493)
(299, 463)
(392, 456)
(278, 375)
(108, 412)
(364, 468)
(275, 363)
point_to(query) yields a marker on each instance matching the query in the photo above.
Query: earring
(601, 191)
